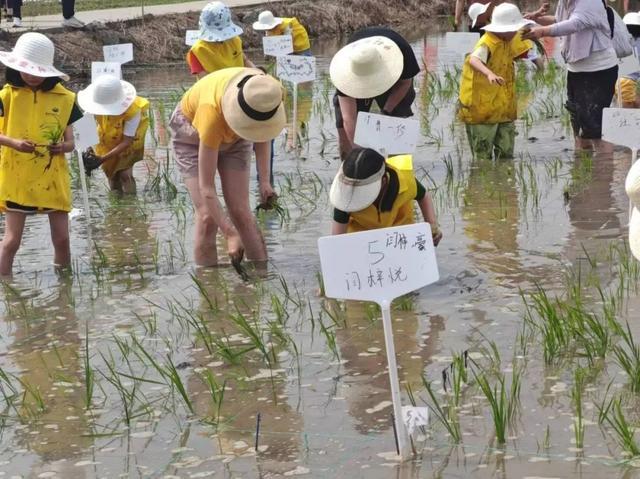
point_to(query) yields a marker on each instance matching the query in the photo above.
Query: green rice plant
(498, 402)
(576, 397)
(446, 415)
(330, 337)
(212, 303)
(89, 374)
(32, 400)
(623, 431)
(459, 376)
(254, 334)
(217, 394)
(171, 374)
(628, 358)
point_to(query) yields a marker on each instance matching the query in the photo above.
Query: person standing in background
(69, 15)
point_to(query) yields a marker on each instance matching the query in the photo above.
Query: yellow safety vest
(291, 26)
(110, 132)
(401, 213)
(36, 179)
(480, 101)
(214, 56)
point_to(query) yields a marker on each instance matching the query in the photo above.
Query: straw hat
(216, 24)
(367, 68)
(108, 95)
(632, 187)
(632, 18)
(475, 10)
(33, 54)
(358, 183)
(252, 106)
(266, 21)
(506, 18)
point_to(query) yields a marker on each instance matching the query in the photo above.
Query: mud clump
(159, 39)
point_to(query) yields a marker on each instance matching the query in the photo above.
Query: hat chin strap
(247, 109)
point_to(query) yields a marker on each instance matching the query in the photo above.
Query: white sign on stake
(85, 133)
(380, 265)
(386, 134)
(296, 68)
(191, 37)
(620, 126)
(99, 69)
(414, 417)
(118, 53)
(457, 45)
(277, 45)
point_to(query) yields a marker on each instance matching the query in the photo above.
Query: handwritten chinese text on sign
(296, 68)
(378, 265)
(386, 133)
(277, 45)
(118, 53)
(99, 69)
(621, 126)
(191, 37)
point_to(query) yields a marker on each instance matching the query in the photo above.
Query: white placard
(386, 134)
(99, 69)
(277, 45)
(628, 65)
(378, 265)
(621, 126)
(296, 68)
(191, 37)
(414, 417)
(85, 133)
(456, 46)
(122, 53)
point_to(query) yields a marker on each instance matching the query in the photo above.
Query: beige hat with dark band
(253, 107)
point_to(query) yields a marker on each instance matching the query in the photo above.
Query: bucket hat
(475, 10)
(632, 187)
(216, 24)
(252, 105)
(632, 18)
(506, 18)
(367, 68)
(107, 95)
(33, 54)
(358, 183)
(266, 21)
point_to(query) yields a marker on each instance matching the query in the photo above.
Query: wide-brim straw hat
(107, 95)
(216, 24)
(367, 68)
(475, 10)
(33, 54)
(632, 18)
(349, 193)
(266, 21)
(253, 107)
(505, 18)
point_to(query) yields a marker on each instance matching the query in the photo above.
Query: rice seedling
(89, 374)
(217, 394)
(628, 358)
(622, 430)
(498, 402)
(446, 415)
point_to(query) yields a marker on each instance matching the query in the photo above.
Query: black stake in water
(257, 430)
(444, 379)
(395, 433)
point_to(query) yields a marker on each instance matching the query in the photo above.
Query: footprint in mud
(464, 282)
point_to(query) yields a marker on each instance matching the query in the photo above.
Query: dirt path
(160, 39)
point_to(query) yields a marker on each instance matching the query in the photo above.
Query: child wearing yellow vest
(36, 113)
(370, 193)
(219, 45)
(273, 26)
(122, 120)
(487, 103)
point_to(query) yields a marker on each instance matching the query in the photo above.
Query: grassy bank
(49, 7)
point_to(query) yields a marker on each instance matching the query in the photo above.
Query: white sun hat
(632, 18)
(216, 24)
(507, 17)
(632, 187)
(475, 10)
(266, 21)
(367, 68)
(108, 95)
(33, 54)
(358, 182)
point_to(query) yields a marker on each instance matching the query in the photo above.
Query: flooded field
(140, 365)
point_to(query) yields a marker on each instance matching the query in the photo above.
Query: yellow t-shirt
(214, 56)
(291, 26)
(202, 105)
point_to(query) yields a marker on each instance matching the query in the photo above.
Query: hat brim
(87, 103)
(268, 26)
(10, 60)
(351, 198)
(367, 86)
(243, 126)
(513, 27)
(231, 31)
(631, 18)
(634, 233)
(482, 11)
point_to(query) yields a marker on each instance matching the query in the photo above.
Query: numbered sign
(414, 417)
(296, 68)
(191, 37)
(378, 265)
(105, 68)
(85, 133)
(621, 126)
(386, 134)
(277, 45)
(118, 53)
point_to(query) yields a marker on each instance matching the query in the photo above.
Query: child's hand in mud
(235, 248)
(495, 79)
(437, 236)
(266, 192)
(24, 146)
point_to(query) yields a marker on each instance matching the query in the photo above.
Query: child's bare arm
(477, 65)
(24, 146)
(429, 215)
(338, 228)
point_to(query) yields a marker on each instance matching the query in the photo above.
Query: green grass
(53, 7)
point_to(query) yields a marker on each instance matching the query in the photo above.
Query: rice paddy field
(526, 351)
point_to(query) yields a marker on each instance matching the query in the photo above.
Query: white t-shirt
(130, 126)
(602, 60)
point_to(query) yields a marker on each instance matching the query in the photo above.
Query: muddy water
(323, 400)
